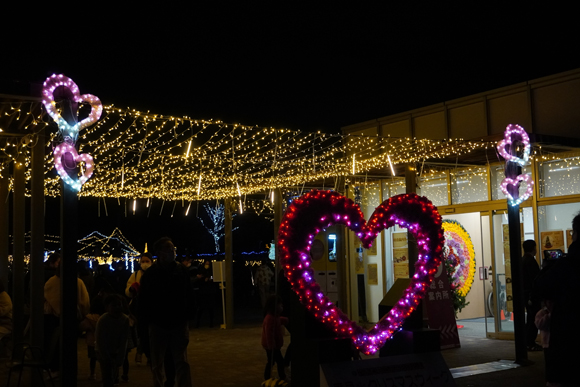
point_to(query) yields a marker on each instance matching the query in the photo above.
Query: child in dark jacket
(111, 337)
(273, 336)
(89, 325)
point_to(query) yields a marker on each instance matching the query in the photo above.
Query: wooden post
(229, 262)
(18, 253)
(4, 226)
(37, 243)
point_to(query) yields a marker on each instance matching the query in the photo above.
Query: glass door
(500, 299)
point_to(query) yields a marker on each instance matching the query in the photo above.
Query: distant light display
(317, 210)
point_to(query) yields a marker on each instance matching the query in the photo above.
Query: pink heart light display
(59, 152)
(316, 210)
(508, 182)
(68, 130)
(511, 134)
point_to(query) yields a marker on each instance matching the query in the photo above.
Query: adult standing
(263, 281)
(52, 310)
(204, 292)
(531, 269)
(558, 283)
(132, 291)
(165, 301)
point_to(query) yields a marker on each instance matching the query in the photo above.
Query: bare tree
(217, 217)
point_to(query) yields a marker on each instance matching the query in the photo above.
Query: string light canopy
(142, 155)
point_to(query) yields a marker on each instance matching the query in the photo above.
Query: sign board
(440, 309)
(422, 369)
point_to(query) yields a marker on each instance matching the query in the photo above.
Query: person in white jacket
(145, 262)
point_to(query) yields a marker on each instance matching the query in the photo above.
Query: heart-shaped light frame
(67, 130)
(526, 178)
(514, 133)
(59, 152)
(317, 210)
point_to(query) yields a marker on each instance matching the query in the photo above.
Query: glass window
(555, 226)
(434, 187)
(469, 185)
(559, 177)
(497, 176)
(393, 187)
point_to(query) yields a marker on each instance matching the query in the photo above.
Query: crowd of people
(151, 310)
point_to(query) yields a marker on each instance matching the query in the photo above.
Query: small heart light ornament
(507, 183)
(317, 210)
(59, 153)
(70, 131)
(512, 134)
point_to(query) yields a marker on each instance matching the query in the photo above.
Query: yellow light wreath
(460, 256)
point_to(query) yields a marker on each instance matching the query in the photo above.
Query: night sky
(310, 67)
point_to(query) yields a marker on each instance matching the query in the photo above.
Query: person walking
(557, 283)
(111, 336)
(273, 336)
(165, 298)
(132, 291)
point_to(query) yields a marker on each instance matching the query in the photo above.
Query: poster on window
(552, 240)
(373, 274)
(400, 255)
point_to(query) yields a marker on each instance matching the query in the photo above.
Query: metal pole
(18, 252)
(411, 187)
(512, 169)
(277, 220)
(4, 226)
(229, 262)
(37, 243)
(68, 286)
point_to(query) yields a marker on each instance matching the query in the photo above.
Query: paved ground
(235, 358)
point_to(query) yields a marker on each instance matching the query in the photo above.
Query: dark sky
(308, 67)
(301, 67)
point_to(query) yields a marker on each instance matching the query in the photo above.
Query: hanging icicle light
(391, 165)
(188, 149)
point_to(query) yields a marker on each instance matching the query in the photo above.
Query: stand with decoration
(61, 99)
(317, 210)
(515, 149)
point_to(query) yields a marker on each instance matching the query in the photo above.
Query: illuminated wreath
(460, 256)
(317, 210)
